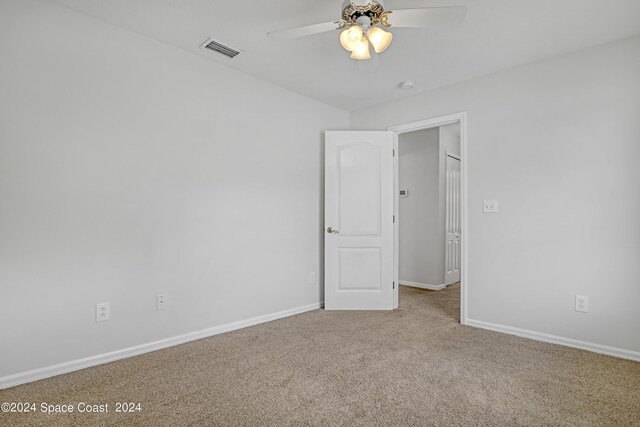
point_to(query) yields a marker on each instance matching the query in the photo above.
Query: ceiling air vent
(220, 48)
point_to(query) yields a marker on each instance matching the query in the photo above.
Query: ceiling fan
(363, 23)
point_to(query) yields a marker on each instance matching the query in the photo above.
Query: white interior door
(358, 221)
(452, 221)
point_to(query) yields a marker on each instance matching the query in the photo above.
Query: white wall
(421, 239)
(129, 168)
(557, 143)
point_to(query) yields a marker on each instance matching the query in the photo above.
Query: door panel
(359, 179)
(359, 269)
(359, 221)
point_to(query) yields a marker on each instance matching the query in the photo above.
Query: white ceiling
(497, 34)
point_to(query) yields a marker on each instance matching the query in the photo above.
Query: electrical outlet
(490, 206)
(161, 302)
(102, 312)
(582, 303)
(312, 278)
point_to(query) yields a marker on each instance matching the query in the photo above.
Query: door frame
(428, 124)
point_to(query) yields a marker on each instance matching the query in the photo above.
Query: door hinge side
(394, 152)
(394, 285)
(394, 218)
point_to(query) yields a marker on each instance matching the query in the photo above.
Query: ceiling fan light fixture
(365, 21)
(351, 38)
(362, 51)
(379, 38)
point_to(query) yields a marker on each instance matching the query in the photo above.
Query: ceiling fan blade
(428, 17)
(307, 30)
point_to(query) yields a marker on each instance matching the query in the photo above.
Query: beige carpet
(413, 366)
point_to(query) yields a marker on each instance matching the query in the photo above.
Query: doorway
(361, 194)
(429, 195)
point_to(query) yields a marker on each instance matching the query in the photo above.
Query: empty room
(299, 212)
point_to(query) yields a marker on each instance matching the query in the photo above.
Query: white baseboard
(63, 368)
(554, 339)
(422, 285)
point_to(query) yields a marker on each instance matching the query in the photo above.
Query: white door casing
(452, 220)
(464, 211)
(359, 221)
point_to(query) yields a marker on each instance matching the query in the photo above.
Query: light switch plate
(490, 206)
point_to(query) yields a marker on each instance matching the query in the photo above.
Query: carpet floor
(414, 366)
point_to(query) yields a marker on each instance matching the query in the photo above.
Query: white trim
(428, 123)
(396, 216)
(63, 368)
(464, 165)
(554, 339)
(422, 285)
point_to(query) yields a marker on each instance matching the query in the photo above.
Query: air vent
(220, 48)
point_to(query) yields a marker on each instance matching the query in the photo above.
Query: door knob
(332, 230)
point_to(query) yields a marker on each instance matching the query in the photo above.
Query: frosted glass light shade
(350, 38)
(362, 51)
(379, 38)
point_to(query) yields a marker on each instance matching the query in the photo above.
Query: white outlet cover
(161, 302)
(490, 206)
(312, 278)
(102, 311)
(582, 303)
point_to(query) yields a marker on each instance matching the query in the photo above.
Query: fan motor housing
(352, 10)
